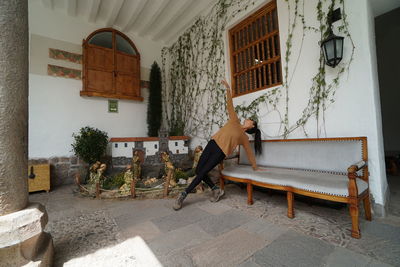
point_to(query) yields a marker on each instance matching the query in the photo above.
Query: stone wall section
(152, 166)
(62, 169)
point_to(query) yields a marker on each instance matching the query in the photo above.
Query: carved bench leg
(249, 194)
(355, 229)
(221, 183)
(367, 208)
(290, 211)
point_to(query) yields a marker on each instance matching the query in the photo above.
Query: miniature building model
(124, 146)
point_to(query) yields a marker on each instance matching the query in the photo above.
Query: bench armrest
(356, 167)
(352, 174)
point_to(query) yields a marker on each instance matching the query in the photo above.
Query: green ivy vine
(193, 66)
(194, 101)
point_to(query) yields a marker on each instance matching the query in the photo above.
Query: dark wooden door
(112, 66)
(100, 69)
(127, 80)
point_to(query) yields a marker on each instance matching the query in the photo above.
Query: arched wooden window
(111, 66)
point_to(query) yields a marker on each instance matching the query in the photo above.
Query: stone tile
(146, 230)
(177, 259)
(389, 219)
(294, 249)
(381, 230)
(131, 216)
(249, 263)
(66, 193)
(377, 248)
(181, 218)
(176, 240)
(60, 214)
(60, 205)
(375, 263)
(312, 218)
(39, 197)
(264, 229)
(117, 208)
(228, 249)
(224, 222)
(88, 204)
(131, 252)
(214, 208)
(344, 257)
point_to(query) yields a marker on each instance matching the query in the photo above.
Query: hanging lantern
(332, 48)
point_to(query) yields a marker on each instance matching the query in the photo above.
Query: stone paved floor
(90, 232)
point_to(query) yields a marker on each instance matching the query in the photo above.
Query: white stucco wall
(121, 150)
(179, 147)
(356, 111)
(150, 147)
(56, 110)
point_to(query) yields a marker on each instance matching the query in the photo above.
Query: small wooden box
(42, 178)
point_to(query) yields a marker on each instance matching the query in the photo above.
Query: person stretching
(222, 144)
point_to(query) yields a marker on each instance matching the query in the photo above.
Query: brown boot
(216, 195)
(179, 201)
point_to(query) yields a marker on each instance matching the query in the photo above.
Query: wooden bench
(333, 169)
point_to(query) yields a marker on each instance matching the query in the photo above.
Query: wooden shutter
(255, 52)
(99, 65)
(127, 74)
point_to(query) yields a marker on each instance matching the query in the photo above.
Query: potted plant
(90, 145)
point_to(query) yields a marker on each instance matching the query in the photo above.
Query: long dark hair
(257, 138)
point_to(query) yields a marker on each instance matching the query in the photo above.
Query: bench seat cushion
(319, 182)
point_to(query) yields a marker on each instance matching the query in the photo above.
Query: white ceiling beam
(71, 8)
(135, 14)
(155, 17)
(174, 17)
(182, 21)
(94, 10)
(48, 3)
(114, 13)
(188, 21)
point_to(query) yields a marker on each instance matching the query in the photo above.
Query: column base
(22, 240)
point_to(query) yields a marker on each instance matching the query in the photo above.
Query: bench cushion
(320, 182)
(322, 155)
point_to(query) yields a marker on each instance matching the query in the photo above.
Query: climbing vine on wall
(194, 65)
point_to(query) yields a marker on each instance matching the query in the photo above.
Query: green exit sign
(113, 106)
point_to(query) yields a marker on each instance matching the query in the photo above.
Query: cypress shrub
(154, 108)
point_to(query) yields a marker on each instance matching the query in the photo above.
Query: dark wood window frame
(254, 49)
(115, 74)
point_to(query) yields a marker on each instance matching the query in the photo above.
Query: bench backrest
(322, 154)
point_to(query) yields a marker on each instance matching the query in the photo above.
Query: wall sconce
(332, 46)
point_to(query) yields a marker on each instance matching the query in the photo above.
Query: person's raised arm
(229, 103)
(250, 154)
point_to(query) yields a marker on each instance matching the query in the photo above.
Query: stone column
(13, 105)
(22, 240)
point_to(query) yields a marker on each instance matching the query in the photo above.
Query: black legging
(211, 156)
